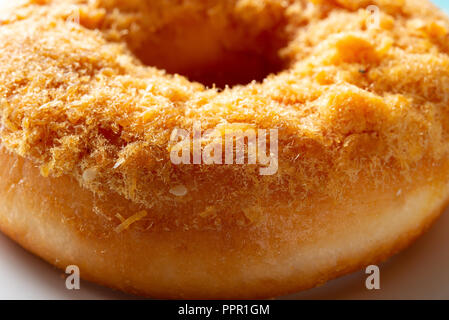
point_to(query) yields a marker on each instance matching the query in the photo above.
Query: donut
(353, 96)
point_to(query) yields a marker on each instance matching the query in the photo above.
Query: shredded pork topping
(83, 93)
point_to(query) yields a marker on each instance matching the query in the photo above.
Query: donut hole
(214, 56)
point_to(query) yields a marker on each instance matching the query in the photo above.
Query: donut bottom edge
(34, 212)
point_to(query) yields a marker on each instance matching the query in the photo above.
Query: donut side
(57, 219)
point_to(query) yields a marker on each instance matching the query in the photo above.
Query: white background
(420, 272)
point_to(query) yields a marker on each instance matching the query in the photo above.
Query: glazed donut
(93, 92)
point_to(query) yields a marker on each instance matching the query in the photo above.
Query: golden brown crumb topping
(354, 100)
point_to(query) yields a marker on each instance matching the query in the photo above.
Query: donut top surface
(83, 92)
